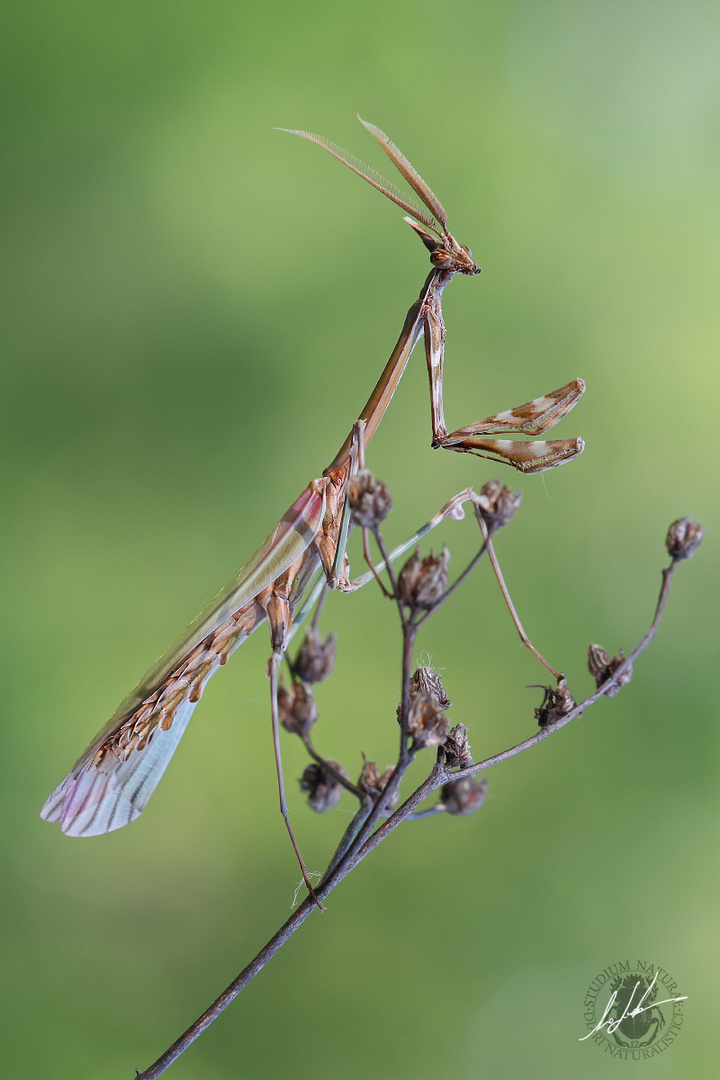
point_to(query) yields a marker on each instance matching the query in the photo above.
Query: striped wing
(95, 798)
(293, 534)
(110, 785)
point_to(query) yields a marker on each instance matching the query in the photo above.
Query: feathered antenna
(435, 220)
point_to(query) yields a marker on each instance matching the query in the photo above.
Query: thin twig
(380, 541)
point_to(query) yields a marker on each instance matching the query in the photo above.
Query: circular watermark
(633, 1010)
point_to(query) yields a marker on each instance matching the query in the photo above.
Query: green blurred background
(195, 310)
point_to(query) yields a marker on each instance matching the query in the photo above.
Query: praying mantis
(111, 783)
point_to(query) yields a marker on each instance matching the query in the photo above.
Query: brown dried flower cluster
(457, 748)
(602, 666)
(296, 708)
(557, 702)
(422, 582)
(684, 538)
(497, 505)
(369, 500)
(464, 796)
(315, 659)
(372, 782)
(426, 722)
(321, 787)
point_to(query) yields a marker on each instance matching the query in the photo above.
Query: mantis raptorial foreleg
(533, 418)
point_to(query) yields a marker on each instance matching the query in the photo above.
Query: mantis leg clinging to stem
(111, 783)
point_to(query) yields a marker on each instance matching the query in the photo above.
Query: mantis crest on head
(110, 785)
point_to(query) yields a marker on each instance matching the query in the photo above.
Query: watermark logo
(633, 1010)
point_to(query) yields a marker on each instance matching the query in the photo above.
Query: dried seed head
(425, 680)
(557, 702)
(369, 500)
(497, 504)
(322, 789)
(296, 708)
(409, 576)
(426, 722)
(602, 666)
(372, 782)
(315, 659)
(599, 663)
(684, 538)
(457, 748)
(422, 582)
(464, 796)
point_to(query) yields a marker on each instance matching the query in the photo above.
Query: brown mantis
(111, 783)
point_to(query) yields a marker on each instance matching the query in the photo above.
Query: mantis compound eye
(442, 259)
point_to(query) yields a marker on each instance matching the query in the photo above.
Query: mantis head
(445, 252)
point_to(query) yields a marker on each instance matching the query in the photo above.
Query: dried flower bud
(296, 708)
(557, 702)
(457, 748)
(464, 796)
(497, 504)
(427, 723)
(322, 789)
(599, 663)
(315, 659)
(602, 666)
(422, 582)
(372, 782)
(425, 680)
(369, 500)
(684, 538)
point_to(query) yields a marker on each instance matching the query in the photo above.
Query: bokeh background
(195, 308)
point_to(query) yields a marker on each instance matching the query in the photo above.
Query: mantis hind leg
(279, 617)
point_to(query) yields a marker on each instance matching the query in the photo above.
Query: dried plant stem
(360, 839)
(387, 559)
